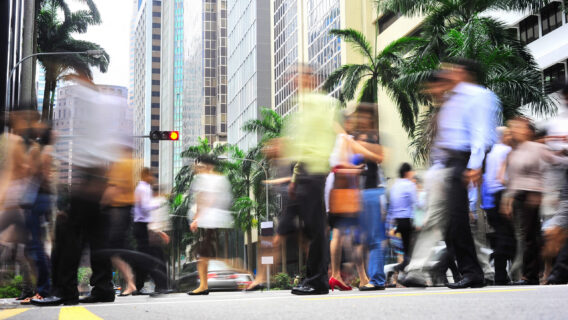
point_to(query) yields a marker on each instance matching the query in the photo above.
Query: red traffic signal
(164, 135)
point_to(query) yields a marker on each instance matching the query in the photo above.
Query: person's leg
(142, 246)
(35, 246)
(435, 222)
(404, 226)
(375, 236)
(310, 196)
(459, 231)
(121, 218)
(126, 271)
(335, 249)
(531, 234)
(202, 266)
(96, 231)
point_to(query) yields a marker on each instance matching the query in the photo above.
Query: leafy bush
(84, 275)
(281, 281)
(12, 289)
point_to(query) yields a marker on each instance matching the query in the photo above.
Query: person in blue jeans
(371, 217)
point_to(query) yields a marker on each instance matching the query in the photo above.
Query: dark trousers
(560, 269)
(34, 246)
(502, 239)
(458, 236)
(404, 227)
(152, 260)
(84, 224)
(526, 207)
(309, 206)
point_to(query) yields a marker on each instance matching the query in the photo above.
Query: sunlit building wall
(248, 66)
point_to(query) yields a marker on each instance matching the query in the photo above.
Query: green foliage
(12, 289)
(84, 275)
(55, 34)
(380, 70)
(281, 281)
(457, 29)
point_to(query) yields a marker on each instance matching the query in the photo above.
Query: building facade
(145, 83)
(205, 72)
(248, 68)
(301, 36)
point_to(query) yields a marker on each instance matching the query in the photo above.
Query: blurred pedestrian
(464, 133)
(151, 259)
(524, 167)
(403, 199)
(310, 140)
(502, 239)
(119, 200)
(211, 192)
(84, 223)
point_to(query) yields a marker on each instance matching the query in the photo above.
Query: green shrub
(12, 289)
(84, 275)
(281, 281)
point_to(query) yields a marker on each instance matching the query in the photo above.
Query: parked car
(220, 277)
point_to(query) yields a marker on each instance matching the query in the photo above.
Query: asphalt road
(530, 302)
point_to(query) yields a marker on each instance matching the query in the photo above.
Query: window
(154, 128)
(155, 94)
(156, 36)
(155, 82)
(554, 76)
(386, 20)
(551, 17)
(155, 70)
(155, 152)
(155, 48)
(155, 25)
(155, 105)
(156, 14)
(529, 29)
(155, 117)
(154, 164)
(155, 59)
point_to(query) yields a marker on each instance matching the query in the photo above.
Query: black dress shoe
(412, 281)
(525, 282)
(96, 299)
(308, 290)
(467, 282)
(199, 293)
(54, 301)
(553, 280)
(160, 293)
(371, 288)
(502, 282)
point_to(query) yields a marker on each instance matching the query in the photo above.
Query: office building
(205, 72)
(145, 83)
(248, 68)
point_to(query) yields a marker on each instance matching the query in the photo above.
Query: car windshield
(216, 265)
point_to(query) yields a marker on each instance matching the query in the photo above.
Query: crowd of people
(333, 190)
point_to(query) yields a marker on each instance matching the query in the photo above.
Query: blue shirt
(467, 122)
(491, 183)
(402, 199)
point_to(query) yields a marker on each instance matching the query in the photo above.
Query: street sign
(267, 260)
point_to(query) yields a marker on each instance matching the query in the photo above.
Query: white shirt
(143, 202)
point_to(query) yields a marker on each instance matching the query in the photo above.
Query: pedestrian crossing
(66, 313)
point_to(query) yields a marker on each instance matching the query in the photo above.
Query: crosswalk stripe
(74, 313)
(5, 314)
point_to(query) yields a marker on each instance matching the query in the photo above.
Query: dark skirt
(207, 243)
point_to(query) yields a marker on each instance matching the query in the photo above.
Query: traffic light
(164, 135)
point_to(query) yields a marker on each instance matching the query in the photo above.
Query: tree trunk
(52, 100)
(226, 248)
(249, 251)
(46, 97)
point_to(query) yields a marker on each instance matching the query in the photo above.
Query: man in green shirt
(310, 137)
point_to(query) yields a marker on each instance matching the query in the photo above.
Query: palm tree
(268, 126)
(455, 28)
(380, 70)
(55, 35)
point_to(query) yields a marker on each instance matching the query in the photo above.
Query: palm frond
(357, 39)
